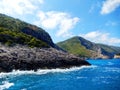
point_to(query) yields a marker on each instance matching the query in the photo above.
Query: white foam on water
(43, 71)
(6, 85)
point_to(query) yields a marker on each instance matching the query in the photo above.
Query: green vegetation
(109, 49)
(11, 23)
(14, 31)
(23, 32)
(11, 38)
(82, 47)
(73, 46)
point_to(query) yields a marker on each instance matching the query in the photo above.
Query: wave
(6, 85)
(43, 71)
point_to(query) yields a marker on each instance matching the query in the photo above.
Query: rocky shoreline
(25, 58)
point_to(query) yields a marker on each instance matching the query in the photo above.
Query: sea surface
(102, 75)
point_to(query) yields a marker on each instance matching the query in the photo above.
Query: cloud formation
(109, 6)
(99, 37)
(19, 7)
(62, 21)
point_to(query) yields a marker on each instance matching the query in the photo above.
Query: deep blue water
(102, 75)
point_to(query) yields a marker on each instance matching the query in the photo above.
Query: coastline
(25, 58)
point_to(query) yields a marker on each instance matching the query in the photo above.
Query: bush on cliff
(11, 38)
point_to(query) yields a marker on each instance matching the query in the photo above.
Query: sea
(101, 75)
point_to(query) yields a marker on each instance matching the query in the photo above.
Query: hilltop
(85, 48)
(14, 31)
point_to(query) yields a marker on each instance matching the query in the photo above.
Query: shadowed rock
(24, 58)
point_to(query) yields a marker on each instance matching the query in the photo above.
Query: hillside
(82, 47)
(27, 47)
(14, 31)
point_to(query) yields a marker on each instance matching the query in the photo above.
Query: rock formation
(25, 58)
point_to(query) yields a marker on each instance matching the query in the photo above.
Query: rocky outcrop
(24, 58)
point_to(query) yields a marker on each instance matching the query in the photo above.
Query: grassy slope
(79, 46)
(73, 46)
(11, 38)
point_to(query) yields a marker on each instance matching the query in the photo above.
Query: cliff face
(24, 58)
(84, 48)
(35, 32)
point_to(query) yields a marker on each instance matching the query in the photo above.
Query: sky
(95, 20)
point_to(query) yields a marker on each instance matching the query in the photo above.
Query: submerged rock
(24, 58)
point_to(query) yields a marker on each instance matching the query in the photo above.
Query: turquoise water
(102, 75)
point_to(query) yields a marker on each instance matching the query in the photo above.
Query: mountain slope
(82, 47)
(73, 46)
(17, 38)
(18, 30)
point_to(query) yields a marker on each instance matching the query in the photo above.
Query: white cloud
(62, 21)
(40, 1)
(20, 7)
(57, 20)
(109, 6)
(99, 37)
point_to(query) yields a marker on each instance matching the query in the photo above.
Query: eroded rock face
(24, 58)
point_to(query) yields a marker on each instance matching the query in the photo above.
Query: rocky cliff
(25, 58)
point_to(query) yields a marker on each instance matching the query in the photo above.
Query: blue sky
(95, 20)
